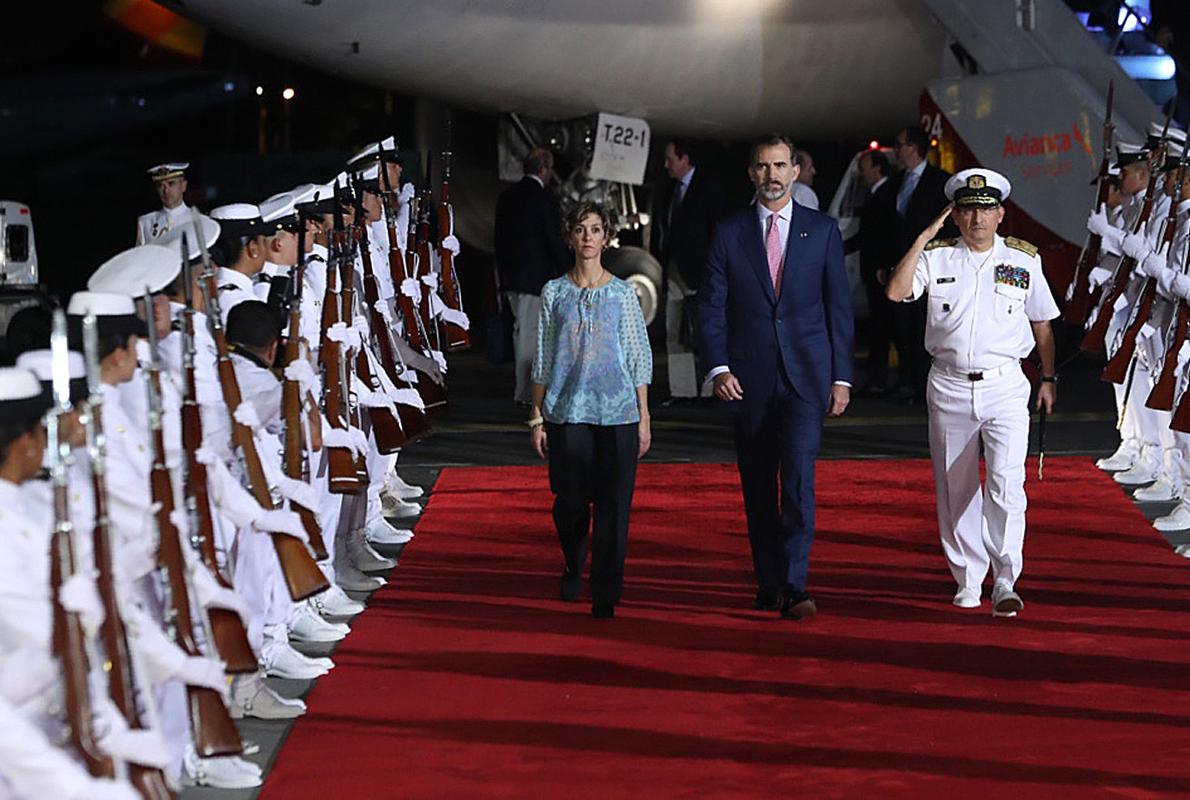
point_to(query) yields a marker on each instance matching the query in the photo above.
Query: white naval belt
(977, 374)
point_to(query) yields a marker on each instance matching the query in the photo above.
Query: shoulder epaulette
(1021, 244)
(941, 243)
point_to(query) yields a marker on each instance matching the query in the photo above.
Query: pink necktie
(772, 246)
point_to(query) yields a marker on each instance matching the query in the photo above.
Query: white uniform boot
(379, 531)
(1122, 459)
(1168, 485)
(361, 554)
(396, 487)
(1146, 468)
(280, 660)
(306, 625)
(223, 772)
(252, 697)
(392, 506)
(1176, 520)
(334, 602)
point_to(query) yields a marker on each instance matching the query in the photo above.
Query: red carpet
(466, 678)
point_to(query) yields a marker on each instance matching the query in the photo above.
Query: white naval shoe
(1182, 550)
(1122, 459)
(334, 602)
(381, 532)
(397, 508)
(222, 772)
(361, 554)
(252, 697)
(1176, 520)
(348, 577)
(1146, 470)
(1162, 491)
(967, 598)
(1005, 602)
(397, 487)
(280, 660)
(308, 626)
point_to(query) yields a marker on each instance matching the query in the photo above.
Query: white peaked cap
(977, 186)
(244, 211)
(276, 207)
(312, 193)
(173, 237)
(373, 150)
(101, 304)
(170, 169)
(151, 266)
(18, 383)
(41, 364)
(1174, 133)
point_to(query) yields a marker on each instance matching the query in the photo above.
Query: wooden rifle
(211, 727)
(457, 338)
(423, 268)
(347, 312)
(1082, 298)
(228, 633)
(399, 263)
(1095, 339)
(340, 459)
(149, 782)
(297, 458)
(302, 576)
(1116, 370)
(69, 639)
(433, 394)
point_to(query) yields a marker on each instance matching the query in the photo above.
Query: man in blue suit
(778, 330)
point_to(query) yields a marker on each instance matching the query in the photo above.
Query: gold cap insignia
(976, 182)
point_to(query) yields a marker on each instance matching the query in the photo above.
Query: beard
(771, 193)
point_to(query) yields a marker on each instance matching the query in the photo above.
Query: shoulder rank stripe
(941, 243)
(1021, 244)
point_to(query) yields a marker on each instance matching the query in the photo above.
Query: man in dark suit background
(681, 239)
(878, 244)
(530, 250)
(920, 197)
(777, 330)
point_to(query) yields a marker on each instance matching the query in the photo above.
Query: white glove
(107, 789)
(281, 520)
(1098, 276)
(1136, 245)
(1097, 222)
(78, 595)
(451, 243)
(143, 747)
(202, 671)
(407, 192)
(1113, 241)
(1180, 287)
(1150, 266)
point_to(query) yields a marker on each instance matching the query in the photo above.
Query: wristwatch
(1049, 378)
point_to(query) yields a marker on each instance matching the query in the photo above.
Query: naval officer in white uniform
(989, 304)
(170, 182)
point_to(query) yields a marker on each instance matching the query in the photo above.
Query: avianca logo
(1046, 144)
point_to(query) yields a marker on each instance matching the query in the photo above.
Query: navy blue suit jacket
(809, 330)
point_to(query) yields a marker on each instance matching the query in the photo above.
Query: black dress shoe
(797, 605)
(570, 586)
(767, 601)
(603, 610)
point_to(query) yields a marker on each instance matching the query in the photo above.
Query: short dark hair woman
(590, 414)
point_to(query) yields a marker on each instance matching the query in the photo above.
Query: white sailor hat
(114, 313)
(278, 213)
(22, 397)
(1153, 137)
(372, 152)
(977, 187)
(173, 237)
(41, 364)
(239, 219)
(342, 185)
(150, 266)
(368, 178)
(1173, 155)
(1128, 153)
(163, 172)
(314, 198)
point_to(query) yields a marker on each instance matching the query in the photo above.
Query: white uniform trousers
(526, 312)
(979, 527)
(379, 466)
(679, 359)
(259, 581)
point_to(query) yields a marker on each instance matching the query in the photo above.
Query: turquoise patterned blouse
(592, 353)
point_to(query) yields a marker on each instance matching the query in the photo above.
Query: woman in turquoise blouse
(590, 414)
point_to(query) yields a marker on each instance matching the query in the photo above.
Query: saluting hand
(938, 222)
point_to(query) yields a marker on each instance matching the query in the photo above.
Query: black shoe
(571, 585)
(767, 601)
(603, 610)
(797, 605)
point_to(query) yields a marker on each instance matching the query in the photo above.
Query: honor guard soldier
(989, 305)
(240, 253)
(170, 182)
